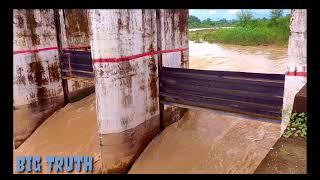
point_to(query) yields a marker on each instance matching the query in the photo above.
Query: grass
(248, 36)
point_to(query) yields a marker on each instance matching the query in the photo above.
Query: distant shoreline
(198, 29)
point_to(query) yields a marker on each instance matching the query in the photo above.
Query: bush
(297, 126)
(255, 33)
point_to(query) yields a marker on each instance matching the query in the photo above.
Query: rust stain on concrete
(183, 21)
(35, 73)
(77, 22)
(124, 24)
(36, 76)
(54, 73)
(21, 79)
(32, 25)
(20, 21)
(153, 82)
(153, 78)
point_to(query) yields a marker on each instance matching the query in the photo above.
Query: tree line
(244, 18)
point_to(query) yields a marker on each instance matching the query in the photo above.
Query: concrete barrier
(296, 76)
(126, 73)
(174, 34)
(37, 88)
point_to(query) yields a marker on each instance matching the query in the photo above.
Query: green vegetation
(247, 30)
(195, 22)
(297, 126)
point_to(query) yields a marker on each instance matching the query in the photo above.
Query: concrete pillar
(127, 87)
(297, 62)
(37, 86)
(75, 35)
(174, 35)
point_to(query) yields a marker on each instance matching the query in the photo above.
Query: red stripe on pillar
(296, 74)
(301, 74)
(48, 49)
(291, 73)
(35, 50)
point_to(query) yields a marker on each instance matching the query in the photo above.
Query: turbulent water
(71, 131)
(216, 141)
(261, 59)
(201, 142)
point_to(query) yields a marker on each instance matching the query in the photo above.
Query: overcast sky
(217, 14)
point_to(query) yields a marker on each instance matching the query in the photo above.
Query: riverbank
(288, 156)
(212, 28)
(243, 36)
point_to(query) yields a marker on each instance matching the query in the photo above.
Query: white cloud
(212, 11)
(233, 11)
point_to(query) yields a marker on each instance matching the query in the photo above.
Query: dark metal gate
(76, 64)
(248, 93)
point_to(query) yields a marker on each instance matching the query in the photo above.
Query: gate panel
(76, 64)
(249, 93)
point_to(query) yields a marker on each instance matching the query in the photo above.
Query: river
(216, 142)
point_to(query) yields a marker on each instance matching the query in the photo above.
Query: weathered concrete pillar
(126, 84)
(37, 87)
(75, 35)
(174, 35)
(297, 62)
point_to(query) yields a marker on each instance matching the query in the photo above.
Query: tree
(245, 17)
(276, 13)
(194, 19)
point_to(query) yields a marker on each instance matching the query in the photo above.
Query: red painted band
(301, 74)
(291, 73)
(128, 58)
(297, 74)
(48, 49)
(34, 50)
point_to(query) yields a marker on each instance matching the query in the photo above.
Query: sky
(217, 14)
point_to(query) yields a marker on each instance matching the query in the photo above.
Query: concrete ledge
(300, 101)
(120, 150)
(173, 114)
(80, 94)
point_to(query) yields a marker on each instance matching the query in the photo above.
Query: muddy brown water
(70, 131)
(216, 141)
(201, 142)
(260, 59)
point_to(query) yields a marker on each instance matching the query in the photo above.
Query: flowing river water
(201, 142)
(216, 141)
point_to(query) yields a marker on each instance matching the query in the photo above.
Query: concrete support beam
(174, 34)
(126, 90)
(126, 76)
(297, 62)
(37, 86)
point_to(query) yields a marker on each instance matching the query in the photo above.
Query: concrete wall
(127, 85)
(37, 80)
(37, 87)
(174, 35)
(297, 62)
(75, 34)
